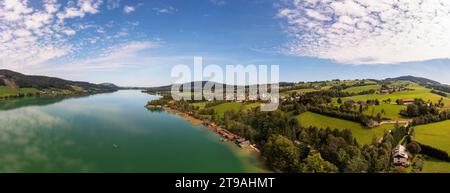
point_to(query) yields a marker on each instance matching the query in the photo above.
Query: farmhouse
(385, 92)
(407, 101)
(400, 156)
(350, 101)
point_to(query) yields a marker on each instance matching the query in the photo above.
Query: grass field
(391, 111)
(199, 104)
(434, 134)
(358, 89)
(433, 165)
(363, 134)
(252, 105)
(419, 92)
(4, 91)
(307, 90)
(222, 108)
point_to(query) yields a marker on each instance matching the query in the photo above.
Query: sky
(137, 42)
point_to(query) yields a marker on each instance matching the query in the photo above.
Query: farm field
(433, 165)
(419, 92)
(199, 104)
(251, 105)
(358, 89)
(391, 111)
(434, 134)
(363, 135)
(307, 90)
(222, 108)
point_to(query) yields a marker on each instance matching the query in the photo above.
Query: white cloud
(30, 36)
(367, 31)
(69, 32)
(82, 8)
(166, 10)
(128, 9)
(125, 55)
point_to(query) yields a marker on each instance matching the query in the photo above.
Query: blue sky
(136, 43)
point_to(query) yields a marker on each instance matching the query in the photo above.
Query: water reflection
(105, 133)
(29, 143)
(32, 101)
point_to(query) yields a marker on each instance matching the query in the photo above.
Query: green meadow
(306, 90)
(252, 105)
(358, 89)
(418, 92)
(387, 110)
(222, 108)
(391, 111)
(433, 165)
(363, 135)
(199, 104)
(434, 134)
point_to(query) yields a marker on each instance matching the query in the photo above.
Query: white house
(400, 156)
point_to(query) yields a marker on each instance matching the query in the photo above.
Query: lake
(110, 132)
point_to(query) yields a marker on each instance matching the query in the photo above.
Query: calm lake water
(111, 132)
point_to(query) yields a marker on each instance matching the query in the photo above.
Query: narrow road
(404, 121)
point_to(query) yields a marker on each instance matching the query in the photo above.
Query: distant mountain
(169, 87)
(13, 79)
(110, 85)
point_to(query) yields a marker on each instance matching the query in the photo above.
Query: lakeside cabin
(227, 135)
(400, 156)
(242, 142)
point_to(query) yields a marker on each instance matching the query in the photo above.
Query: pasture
(418, 92)
(222, 108)
(433, 165)
(434, 134)
(358, 89)
(363, 135)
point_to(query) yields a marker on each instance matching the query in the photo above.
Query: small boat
(115, 145)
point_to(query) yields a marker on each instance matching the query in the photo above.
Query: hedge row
(434, 152)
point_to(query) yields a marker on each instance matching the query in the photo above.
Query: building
(350, 101)
(407, 101)
(245, 143)
(385, 92)
(400, 156)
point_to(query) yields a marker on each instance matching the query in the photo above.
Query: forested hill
(418, 80)
(13, 79)
(423, 82)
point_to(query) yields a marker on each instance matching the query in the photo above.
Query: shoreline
(242, 152)
(212, 127)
